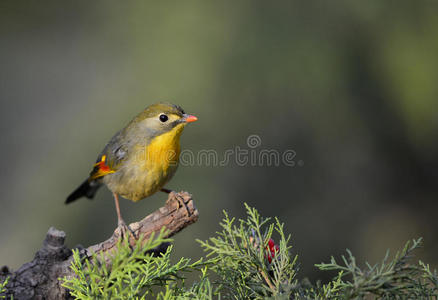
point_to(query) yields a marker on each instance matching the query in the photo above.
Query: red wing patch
(100, 169)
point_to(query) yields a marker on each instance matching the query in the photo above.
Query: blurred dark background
(350, 86)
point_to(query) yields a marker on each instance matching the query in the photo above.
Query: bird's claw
(174, 196)
(124, 229)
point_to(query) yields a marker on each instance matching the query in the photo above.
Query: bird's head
(162, 117)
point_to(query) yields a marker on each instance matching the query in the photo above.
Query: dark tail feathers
(86, 189)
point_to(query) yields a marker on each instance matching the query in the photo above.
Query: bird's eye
(163, 118)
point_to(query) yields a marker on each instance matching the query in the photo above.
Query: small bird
(140, 159)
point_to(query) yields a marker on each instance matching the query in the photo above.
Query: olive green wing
(111, 157)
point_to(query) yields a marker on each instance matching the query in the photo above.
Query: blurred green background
(350, 86)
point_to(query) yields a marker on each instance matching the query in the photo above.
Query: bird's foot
(125, 230)
(174, 196)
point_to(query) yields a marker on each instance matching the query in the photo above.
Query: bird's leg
(174, 196)
(167, 191)
(121, 223)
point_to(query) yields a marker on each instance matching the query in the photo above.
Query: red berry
(271, 249)
(271, 243)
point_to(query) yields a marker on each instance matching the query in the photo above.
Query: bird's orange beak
(190, 118)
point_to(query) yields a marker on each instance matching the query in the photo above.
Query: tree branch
(38, 279)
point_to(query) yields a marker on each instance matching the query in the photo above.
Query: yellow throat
(164, 149)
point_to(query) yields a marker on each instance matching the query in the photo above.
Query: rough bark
(38, 279)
